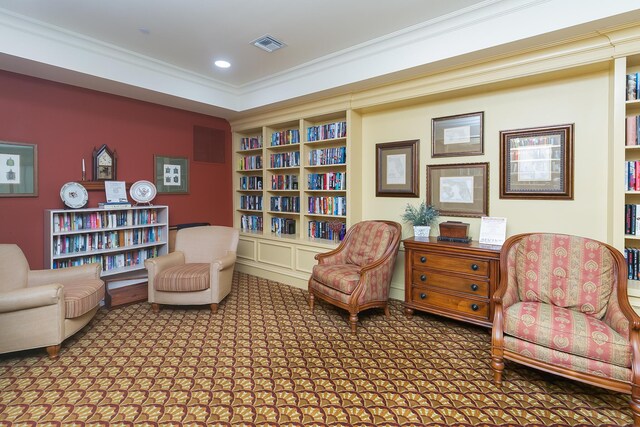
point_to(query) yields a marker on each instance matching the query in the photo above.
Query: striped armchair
(357, 274)
(562, 307)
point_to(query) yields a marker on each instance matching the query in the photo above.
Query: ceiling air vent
(268, 43)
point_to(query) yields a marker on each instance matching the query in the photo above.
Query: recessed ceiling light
(222, 64)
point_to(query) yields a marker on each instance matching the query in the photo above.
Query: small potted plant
(421, 217)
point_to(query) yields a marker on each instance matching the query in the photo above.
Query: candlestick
(84, 175)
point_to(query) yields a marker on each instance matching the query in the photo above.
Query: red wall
(67, 123)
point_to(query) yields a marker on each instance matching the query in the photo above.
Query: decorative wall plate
(74, 195)
(143, 191)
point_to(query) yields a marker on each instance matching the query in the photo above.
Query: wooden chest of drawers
(456, 280)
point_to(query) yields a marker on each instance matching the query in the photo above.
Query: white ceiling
(162, 50)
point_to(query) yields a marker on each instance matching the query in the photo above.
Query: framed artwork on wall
(18, 169)
(537, 163)
(397, 169)
(460, 135)
(459, 189)
(171, 174)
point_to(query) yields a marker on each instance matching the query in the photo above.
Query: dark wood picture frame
(460, 189)
(397, 169)
(18, 169)
(459, 135)
(171, 174)
(537, 163)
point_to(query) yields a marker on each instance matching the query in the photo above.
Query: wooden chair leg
(634, 403)
(155, 307)
(214, 308)
(387, 312)
(497, 364)
(312, 301)
(53, 351)
(353, 319)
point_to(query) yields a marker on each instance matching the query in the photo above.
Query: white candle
(82, 165)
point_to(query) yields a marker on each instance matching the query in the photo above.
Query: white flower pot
(421, 230)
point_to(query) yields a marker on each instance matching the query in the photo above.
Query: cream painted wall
(581, 99)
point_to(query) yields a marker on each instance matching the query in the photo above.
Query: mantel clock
(104, 164)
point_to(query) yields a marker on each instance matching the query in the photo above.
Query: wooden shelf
(98, 185)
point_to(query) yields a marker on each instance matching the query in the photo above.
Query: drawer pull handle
(474, 267)
(423, 295)
(474, 287)
(423, 277)
(474, 307)
(423, 259)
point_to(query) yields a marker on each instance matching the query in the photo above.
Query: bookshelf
(119, 239)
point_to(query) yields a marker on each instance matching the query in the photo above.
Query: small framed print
(537, 163)
(460, 135)
(459, 189)
(171, 174)
(397, 169)
(18, 169)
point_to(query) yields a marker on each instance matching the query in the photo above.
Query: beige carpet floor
(265, 360)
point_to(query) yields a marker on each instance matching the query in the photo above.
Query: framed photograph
(397, 173)
(171, 174)
(459, 135)
(18, 169)
(459, 189)
(537, 163)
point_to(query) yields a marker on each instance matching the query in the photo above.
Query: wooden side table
(456, 280)
(134, 289)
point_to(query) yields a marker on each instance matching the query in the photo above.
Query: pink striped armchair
(562, 307)
(357, 274)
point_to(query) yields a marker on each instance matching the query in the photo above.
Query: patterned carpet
(264, 360)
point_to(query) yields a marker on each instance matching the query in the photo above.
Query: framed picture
(18, 169)
(397, 166)
(459, 189)
(171, 174)
(459, 135)
(537, 163)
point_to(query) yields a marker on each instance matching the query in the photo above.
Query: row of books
(328, 156)
(250, 223)
(285, 204)
(251, 183)
(632, 219)
(632, 175)
(248, 163)
(327, 230)
(283, 226)
(285, 137)
(251, 143)
(328, 131)
(285, 160)
(77, 243)
(252, 203)
(631, 135)
(327, 181)
(284, 182)
(633, 263)
(334, 205)
(74, 221)
(633, 86)
(111, 262)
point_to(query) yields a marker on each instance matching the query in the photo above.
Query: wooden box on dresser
(456, 280)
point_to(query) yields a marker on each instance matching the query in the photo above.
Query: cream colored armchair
(199, 271)
(42, 308)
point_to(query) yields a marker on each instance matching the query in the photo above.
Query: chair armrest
(26, 298)
(226, 261)
(62, 275)
(163, 262)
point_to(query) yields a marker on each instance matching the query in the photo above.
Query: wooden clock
(104, 164)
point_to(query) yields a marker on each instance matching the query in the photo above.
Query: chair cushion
(567, 331)
(368, 242)
(81, 297)
(566, 271)
(184, 278)
(341, 277)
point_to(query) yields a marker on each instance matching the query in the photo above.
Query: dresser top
(434, 243)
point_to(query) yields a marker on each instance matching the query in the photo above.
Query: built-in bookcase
(119, 239)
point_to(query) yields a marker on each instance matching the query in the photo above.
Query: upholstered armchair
(199, 271)
(357, 274)
(562, 307)
(42, 308)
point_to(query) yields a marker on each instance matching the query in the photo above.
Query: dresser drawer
(462, 305)
(471, 286)
(451, 263)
